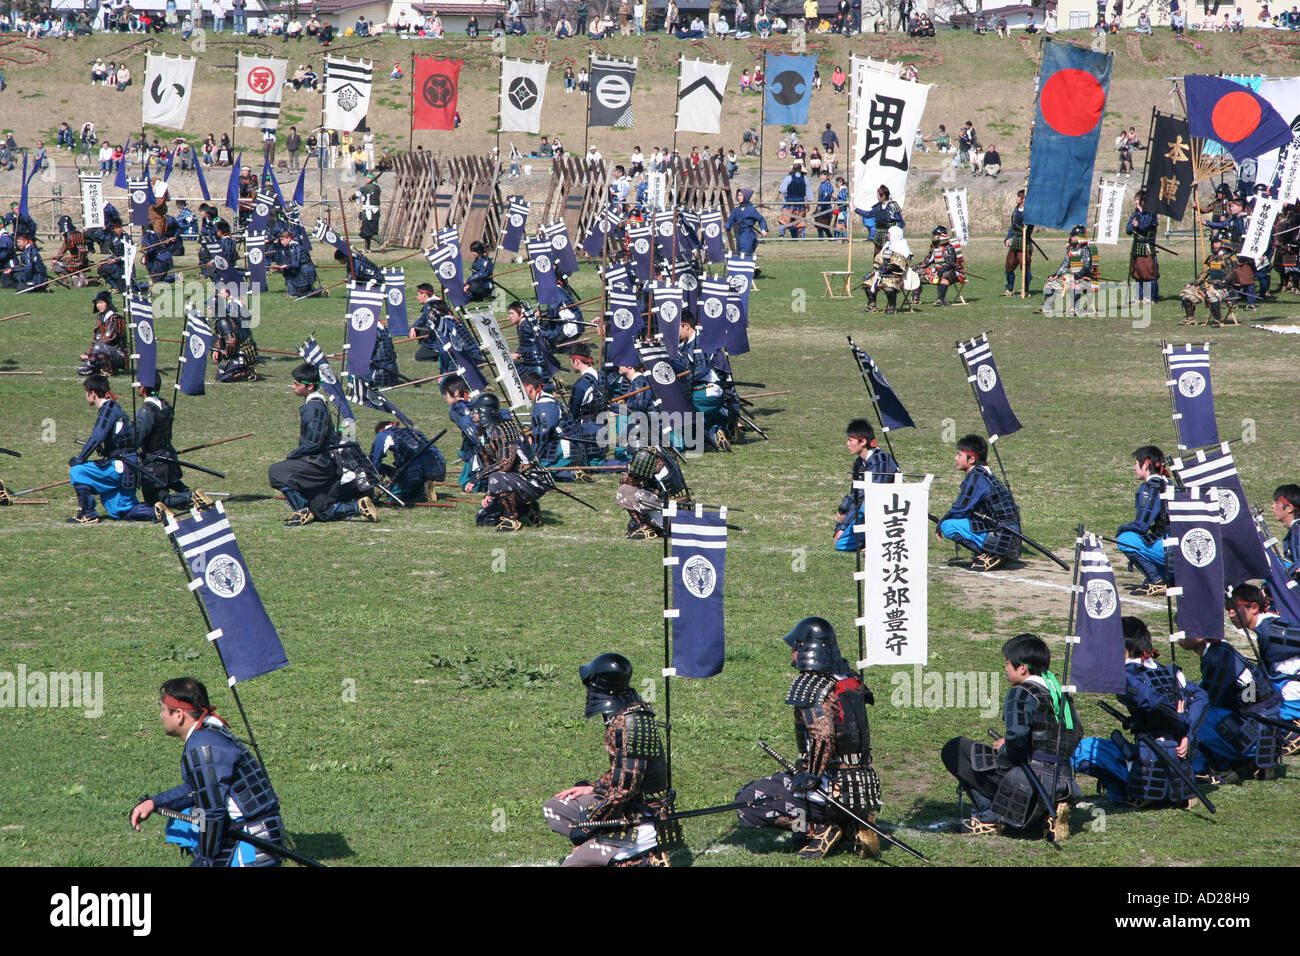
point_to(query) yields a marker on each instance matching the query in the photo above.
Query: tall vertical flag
(347, 92)
(712, 313)
(436, 85)
(168, 82)
(312, 354)
(892, 413)
(1214, 469)
(1187, 373)
(889, 112)
(259, 89)
(699, 561)
(92, 200)
(541, 258)
(958, 212)
(241, 629)
(1259, 230)
(1236, 117)
(668, 312)
(1072, 87)
(445, 260)
(565, 259)
(1099, 630)
(255, 249)
(593, 243)
(670, 395)
(610, 101)
(196, 343)
(489, 333)
(1110, 209)
(700, 87)
(140, 198)
(711, 231)
(523, 87)
(145, 353)
(395, 301)
(203, 180)
(787, 92)
(1283, 94)
(232, 186)
(516, 222)
(640, 251)
(1170, 174)
(625, 324)
(740, 276)
(893, 584)
(365, 306)
(1195, 552)
(982, 373)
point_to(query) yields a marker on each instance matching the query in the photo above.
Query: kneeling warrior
(653, 479)
(830, 727)
(161, 482)
(1074, 275)
(107, 353)
(1211, 286)
(514, 482)
(233, 349)
(636, 786)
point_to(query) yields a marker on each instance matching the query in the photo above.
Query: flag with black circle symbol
(982, 371)
(788, 89)
(700, 87)
(1099, 657)
(523, 86)
(365, 306)
(168, 82)
(698, 565)
(610, 100)
(347, 92)
(436, 90)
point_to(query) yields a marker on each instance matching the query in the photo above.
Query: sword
(212, 443)
(1035, 783)
(423, 448)
(671, 817)
(6, 451)
(789, 767)
(1027, 540)
(1170, 763)
(1156, 245)
(244, 837)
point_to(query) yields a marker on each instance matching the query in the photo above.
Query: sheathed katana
(789, 767)
(1025, 538)
(6, 451)
(244, 837)
(1173, 765)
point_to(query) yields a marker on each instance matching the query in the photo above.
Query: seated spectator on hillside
(723, 27)
(433, 26)
(695, 32)
(1049, 25)
(294, 30)
(471, 28)
(1031, 27)
(98, 72)
(1000, 25)
(563, 29)
(326, 36)
(1143, 24)
(756, 81)
(396, 73)
(123, 78)
(516, 28)
(361, 28)
(838, 79)
(981, 25)
(744, 81)
(992, 163)
(313, 26)
(779, 26)
(310, 79)
(1238, 21)
(1178, 22)
(763, 25)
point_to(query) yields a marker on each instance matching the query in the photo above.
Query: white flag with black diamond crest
(523, 86)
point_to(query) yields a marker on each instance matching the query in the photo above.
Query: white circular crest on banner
(254, 256)
(666, 227)
(224, 577)
(642, 246)
(447, 270)
(219, 262)
(713, 308)
(542, 264)
(144, 332)
(262, 209)
(559, 241)
(623, 319)
(395, 296)
(137, 196)
(196, 346)
(569, 329)
(986, 378)
(516, 220)
(713, 230)
(669, 311)
(663, 373)
(699, 576)
(1197, 546)
(331, 237)
(1191, 383)
(688, 281)
(733, 313)
(1228, 502)
(1100, 600)
(363, 318)
(739, 282)
(327, 375)
(613, 91)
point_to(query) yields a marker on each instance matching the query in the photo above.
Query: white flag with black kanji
(347, 92)
(700, 87)
(523, 86)
(168, 82)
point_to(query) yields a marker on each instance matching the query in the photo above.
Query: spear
(214, 443)
(17, 315)
(244, 837)
(69, 275)
(53, 484)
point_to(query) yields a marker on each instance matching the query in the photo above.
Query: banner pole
(668, 697)
(410, 134)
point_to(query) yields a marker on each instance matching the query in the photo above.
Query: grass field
(433, 704)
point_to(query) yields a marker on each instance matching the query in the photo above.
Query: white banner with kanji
(893, 582)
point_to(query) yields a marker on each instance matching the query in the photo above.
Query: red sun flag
(1245, 123)
(436, 88)
(1072, 102)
